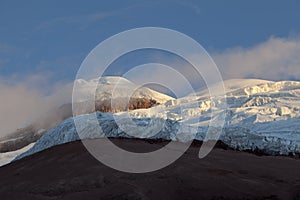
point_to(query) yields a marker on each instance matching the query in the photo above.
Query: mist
(27, 101)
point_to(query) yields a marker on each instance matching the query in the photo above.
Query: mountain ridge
(264, 116)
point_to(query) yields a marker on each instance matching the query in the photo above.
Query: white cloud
(274, 59)
(24, 101)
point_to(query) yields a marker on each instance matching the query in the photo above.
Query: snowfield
(260, 115)
(7, 157)
(115, 86)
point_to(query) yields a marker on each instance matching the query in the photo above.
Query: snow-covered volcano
(107, 87)
(260, 115)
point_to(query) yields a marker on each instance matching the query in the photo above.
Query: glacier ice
(260, 114)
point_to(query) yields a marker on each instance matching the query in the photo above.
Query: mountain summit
(107, 87)
(260, 116)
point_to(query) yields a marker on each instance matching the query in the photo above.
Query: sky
(43, 43)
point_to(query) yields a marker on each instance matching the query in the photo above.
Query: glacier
(260, 115)
(7, 157)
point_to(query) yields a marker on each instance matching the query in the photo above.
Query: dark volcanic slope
(69, 172)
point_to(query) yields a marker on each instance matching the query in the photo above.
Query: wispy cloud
(23, 101)
(81, 21)
(5, 48)
(274, 59)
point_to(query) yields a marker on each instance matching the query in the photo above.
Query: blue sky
(43, 43)
(53, 37)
